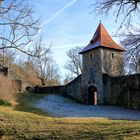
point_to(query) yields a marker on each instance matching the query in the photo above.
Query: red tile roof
(102, 39)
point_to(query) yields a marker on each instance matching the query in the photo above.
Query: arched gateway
(92, 95)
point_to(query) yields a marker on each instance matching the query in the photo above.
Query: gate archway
(92, 95)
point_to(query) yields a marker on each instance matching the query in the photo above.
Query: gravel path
(63, 107)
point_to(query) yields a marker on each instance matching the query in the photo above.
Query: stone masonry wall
(72, 90)
(49, 90)
(112, 62)
(96, 64)
(122, 90)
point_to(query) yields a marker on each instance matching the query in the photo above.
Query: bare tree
(74, 64)
(131, 42)
(29, 73)
(6, 58)
(17, 26)
(126, 8)
(138, 70)
(46, 67)
(47, 71)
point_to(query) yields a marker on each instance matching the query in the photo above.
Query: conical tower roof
(102, 39)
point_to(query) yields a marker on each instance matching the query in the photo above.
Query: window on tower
(91, 56)
(91, 75)
(113, 55)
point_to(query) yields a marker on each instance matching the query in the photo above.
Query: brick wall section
(122, 90)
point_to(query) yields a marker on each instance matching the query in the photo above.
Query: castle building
(101, 56)
(102, 80)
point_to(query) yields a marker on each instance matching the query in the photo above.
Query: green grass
(26, 101)
(25, 122)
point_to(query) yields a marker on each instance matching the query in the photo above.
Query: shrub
(5, 102)
(7, 89)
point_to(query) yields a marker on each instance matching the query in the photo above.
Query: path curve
(63, 107)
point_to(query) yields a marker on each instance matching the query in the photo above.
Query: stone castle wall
(122, 90)
(49, 90)
(72, 90)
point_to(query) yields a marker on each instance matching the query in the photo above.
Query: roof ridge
(100, 24)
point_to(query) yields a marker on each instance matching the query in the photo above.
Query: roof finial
(100, 21)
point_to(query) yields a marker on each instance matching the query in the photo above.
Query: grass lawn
(25, 122)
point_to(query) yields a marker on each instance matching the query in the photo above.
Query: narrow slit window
(91, 75)
(91, 56)
(113, 55)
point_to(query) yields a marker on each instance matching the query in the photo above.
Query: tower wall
(96, 80)
(101, 56)
(101, 61)
(112, 62)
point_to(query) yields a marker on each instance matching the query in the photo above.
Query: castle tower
(101, 56)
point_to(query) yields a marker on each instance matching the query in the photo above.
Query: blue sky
(72, 26)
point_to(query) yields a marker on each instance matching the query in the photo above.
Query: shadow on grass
(25, 103)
